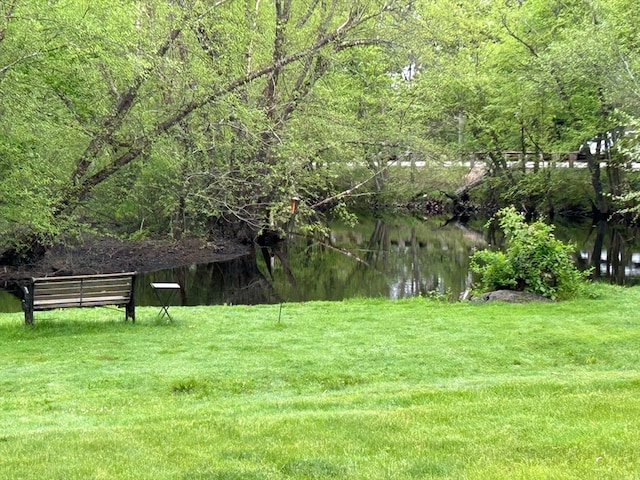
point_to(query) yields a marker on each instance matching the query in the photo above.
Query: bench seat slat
(76, 302)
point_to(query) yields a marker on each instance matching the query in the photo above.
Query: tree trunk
(593, 162)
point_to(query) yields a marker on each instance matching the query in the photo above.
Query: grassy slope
(367, 389)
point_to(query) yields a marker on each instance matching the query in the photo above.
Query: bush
(534, 261)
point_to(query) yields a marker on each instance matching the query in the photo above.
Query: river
(392, 258)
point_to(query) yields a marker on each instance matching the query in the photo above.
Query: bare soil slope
(107, 255)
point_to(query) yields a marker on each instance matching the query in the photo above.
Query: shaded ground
(108, 255)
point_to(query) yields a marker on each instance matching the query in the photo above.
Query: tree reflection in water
(613, 251)
(399, 258)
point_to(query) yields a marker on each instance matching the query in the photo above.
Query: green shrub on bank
(535, 260)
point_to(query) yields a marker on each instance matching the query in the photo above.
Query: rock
(512, 296)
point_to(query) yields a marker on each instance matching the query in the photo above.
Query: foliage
(170, 117)
(627, 202)
(173, 116)
(534, 260)
(534, 76)
(544, 192)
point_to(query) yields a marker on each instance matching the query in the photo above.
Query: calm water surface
(392, 258)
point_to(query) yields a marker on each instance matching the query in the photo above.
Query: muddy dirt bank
(108, 255)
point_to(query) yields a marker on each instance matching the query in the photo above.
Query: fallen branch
(349, 191)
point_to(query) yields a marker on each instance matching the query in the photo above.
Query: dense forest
(189, 117)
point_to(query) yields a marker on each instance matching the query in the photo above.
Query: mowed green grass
(361, 389)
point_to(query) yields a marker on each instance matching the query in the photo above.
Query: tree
(203, 90)
(537, 76)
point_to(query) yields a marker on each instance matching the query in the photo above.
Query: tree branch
(10, 65)
(8, 15)
(518, 39)
(113, 122)
(83, 185)
(349, 191)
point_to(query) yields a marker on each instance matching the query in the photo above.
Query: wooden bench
(80, 291)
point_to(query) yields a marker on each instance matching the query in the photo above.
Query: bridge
(529, 161)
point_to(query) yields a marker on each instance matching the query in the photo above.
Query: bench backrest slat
(92, 287)
(83, 277)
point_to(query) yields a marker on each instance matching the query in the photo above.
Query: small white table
(168, 290)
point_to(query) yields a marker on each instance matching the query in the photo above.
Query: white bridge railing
(529, 165)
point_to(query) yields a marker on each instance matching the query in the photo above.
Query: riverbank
(360, 389)
(108, 255)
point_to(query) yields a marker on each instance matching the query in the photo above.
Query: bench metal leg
(130, 312)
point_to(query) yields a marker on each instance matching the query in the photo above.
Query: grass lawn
(361, 389)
